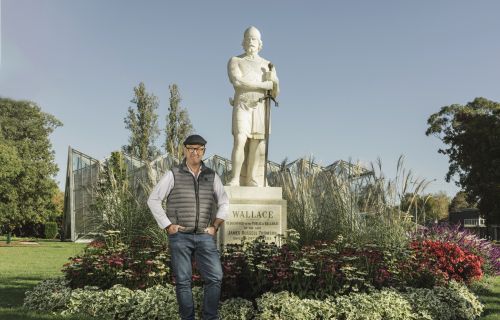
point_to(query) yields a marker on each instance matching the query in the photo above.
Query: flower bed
(427, 279)
(135, 267)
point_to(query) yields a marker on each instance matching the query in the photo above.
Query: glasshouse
(81, 220)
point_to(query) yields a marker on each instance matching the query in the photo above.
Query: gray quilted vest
(191, 202)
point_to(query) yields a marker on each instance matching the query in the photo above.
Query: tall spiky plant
(121, 199)
(363, 208)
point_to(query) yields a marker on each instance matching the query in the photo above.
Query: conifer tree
(179, 125)
(142, 121)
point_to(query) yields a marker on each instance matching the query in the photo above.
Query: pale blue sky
(358, 78)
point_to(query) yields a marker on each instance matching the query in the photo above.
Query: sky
(358, 79)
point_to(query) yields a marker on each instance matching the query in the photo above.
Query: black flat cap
(195, 139)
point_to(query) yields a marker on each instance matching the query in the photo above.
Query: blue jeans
(183, 246)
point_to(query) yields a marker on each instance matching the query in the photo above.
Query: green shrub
(453, 302)
(48, 295)
(51, 230)
(156, 303)
(236, 309)
(386, 304)
(115, 303)
(427, 305)
(462, 303)
(285, 305)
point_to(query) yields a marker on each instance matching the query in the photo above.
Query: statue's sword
(268, 99)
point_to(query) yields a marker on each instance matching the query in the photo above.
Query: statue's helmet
(252, 31)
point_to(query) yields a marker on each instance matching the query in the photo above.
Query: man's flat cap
(195, 139)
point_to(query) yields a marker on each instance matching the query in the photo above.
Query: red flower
(446, 260)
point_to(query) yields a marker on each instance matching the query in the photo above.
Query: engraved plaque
(248, 221)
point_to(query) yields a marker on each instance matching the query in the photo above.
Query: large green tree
(460, 201)
(142, 121)
(179, 125)
(427, 208)
(27, 168)
(471, 133)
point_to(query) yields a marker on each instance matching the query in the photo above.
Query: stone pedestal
(253, 212)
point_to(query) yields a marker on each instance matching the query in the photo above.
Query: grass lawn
(490, 297)
(23, 266)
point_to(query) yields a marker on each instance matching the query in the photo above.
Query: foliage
(471, 133)
(361, 205)
(104, 265)
(120, 202)
(58, 201)
(441, 303)
(427, 208)
(319, 270)
(438, 262)
(142, 121)
(462, 303)
(9, 171)
(236, 309)
(115, 303)
(467, 240)
(386, 304)
(51, 230)
(460, 201)
(27, 184)
(285, 305)
(452, 302)
(427, 304)
(49, 295)
(158, 302)
(179, 125)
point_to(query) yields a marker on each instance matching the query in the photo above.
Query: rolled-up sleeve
(160, 191)
(222, 199)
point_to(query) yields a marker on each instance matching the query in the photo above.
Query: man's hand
(211, 230)
(174, 228)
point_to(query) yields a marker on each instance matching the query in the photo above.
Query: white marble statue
(249, 73)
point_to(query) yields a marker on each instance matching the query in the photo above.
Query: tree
(27, 172)
(471, 133)
(459, 201)
(179, 125)
(427, 208)
(142, 121)
(9, 171)
(437, 207)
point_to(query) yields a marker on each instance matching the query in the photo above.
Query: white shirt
(166, 184)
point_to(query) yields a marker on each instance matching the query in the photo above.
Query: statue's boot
(234, 183)
(252, 183)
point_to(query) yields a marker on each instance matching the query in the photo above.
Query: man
(192, 190)
(251, 78)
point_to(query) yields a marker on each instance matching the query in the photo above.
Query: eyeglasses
(197, 150)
